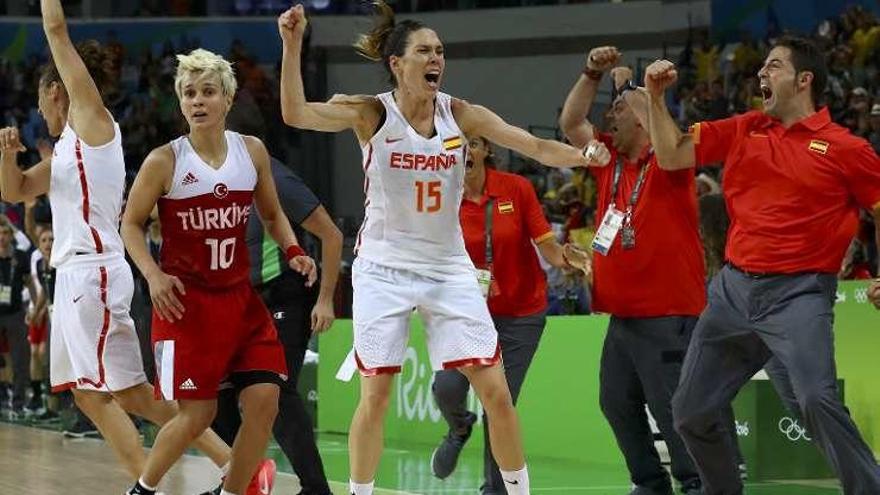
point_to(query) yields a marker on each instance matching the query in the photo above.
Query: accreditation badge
(607, 231)
(484, 277)
(5, 294)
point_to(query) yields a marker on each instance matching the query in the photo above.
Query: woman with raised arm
(410, 250)
(94, 348)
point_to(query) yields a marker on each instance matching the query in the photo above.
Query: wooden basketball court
(44, 462)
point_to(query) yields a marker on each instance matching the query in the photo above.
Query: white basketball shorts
(459, 330)
(93, 345)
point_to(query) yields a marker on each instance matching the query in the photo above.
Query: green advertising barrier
(775, 443)
(559, 403)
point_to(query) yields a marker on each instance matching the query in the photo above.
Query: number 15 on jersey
(429, 196)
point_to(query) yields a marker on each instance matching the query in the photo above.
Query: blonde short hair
(207, 64)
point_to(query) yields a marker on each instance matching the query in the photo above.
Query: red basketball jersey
(204, 216)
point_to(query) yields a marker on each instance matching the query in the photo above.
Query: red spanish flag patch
(452, 143)
(505, 207)
(819, 146)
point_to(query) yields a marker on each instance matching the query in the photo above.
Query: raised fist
(603, 58)
(292, 23)
(660, 75)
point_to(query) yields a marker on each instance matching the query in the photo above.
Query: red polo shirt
(664, 274)
(517, 221)
(793, 194)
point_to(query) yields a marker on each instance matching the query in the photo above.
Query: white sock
(224, 492)
(224, 469)
(361, 488)
(516, 482)
(145, 485)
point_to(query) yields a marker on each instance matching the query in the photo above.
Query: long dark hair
(387, 38)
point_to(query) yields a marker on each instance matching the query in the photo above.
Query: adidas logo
(189, 178)
(188, 385)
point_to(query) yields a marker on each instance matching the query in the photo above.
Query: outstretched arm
(476, 120)
(87, 115)
(295, 110)
(574, 118)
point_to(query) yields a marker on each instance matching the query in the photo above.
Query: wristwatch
(629, 85)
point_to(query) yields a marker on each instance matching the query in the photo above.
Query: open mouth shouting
(766, 93)
(433, 78)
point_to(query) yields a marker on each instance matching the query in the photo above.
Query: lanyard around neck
(637, 188)
(489, 205)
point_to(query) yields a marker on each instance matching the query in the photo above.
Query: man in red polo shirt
(502, 221)
(793, 183)
(649, 275)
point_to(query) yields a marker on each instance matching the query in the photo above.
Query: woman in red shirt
(502, 222)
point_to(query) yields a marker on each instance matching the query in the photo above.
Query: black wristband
(595, 75)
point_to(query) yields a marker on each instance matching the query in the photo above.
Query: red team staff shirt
(517, 221)
(664, 274)
(793, 194)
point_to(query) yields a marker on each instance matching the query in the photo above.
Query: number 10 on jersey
(222, 252)
(429, 197)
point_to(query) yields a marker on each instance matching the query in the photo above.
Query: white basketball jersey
(85, 194)
(414, 187)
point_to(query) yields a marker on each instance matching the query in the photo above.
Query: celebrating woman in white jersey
(94, 348)
(410, 248)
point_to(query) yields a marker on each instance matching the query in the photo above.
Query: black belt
(752, 274)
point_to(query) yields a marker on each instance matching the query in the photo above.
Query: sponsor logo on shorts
(188, 385)
(77, 298)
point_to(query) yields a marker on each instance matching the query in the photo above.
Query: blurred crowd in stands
(181, 8)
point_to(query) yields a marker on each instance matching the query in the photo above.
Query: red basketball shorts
(222, 332)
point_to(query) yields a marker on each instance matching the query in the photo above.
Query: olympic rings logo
(792, 430)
